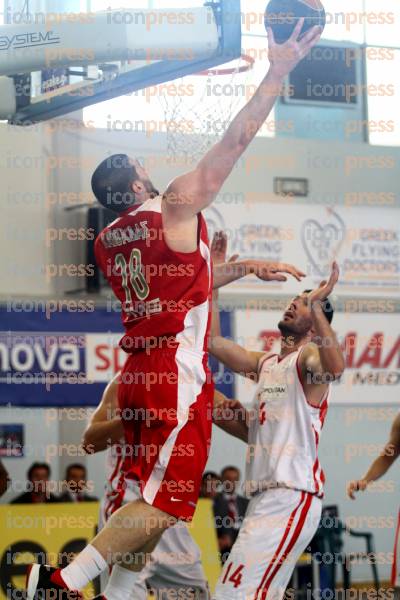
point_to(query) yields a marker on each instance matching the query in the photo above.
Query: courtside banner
(65, 359)
(365, 242)
(371, 346)
(55, 533)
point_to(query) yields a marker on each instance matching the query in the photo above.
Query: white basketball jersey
(284, 431)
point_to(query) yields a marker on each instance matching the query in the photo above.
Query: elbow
(212, 187)
(333, 366)
(337, 371)
(340, 368)
(88, 445)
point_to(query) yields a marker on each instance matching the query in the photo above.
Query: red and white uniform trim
(166, 310)
(285, 482)
(283, 441)
(279, 525)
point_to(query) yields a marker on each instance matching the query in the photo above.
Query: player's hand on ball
(274, 271)
(359, 485)
(285, 57)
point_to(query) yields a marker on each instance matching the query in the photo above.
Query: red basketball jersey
(163, 293)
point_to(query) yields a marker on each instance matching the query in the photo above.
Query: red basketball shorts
(166, 396)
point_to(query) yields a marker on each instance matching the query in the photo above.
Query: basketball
(283, 15)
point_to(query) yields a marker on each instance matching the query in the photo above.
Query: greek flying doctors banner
(371, 346)
(64, 353)
(364, 241)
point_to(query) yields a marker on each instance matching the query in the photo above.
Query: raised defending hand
(285, 57)
(219, 247)
(325, 287)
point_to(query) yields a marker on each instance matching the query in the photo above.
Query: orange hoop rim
(249, 64)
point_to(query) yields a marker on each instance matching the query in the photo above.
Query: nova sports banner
(65, 358)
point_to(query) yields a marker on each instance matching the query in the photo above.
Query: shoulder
(88, 498)
(396, 428)
(24, 498)
(308, 356)
(263, 359)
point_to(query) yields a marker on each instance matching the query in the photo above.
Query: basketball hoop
(218, 94)
(248, 63)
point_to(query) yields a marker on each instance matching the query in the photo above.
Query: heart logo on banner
(322, 242)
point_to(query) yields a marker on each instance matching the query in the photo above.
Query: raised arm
(226, 273)
(189, 194)
(381, 464)
(231, 354)
(321, 362)
(105, 427)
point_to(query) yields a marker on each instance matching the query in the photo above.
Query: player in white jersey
(284, 478)
(174, 569)
(378, 468)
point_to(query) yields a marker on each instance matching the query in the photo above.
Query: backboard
(115, 60)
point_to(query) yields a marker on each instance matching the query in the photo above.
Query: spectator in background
(38, 480)
(4, 479)
(229, 510)
(209, 485)
(76, 484)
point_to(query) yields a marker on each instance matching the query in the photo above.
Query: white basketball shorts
(278, 526)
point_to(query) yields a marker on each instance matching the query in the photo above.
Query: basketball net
(194, 123)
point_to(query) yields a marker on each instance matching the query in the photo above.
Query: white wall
(334, 169)
(25, 215)
(59, 161)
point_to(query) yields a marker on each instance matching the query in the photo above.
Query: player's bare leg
(123, 578)
(133, 528)
(133, 531)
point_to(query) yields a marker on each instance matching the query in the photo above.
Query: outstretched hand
(274, 271)
(285, 57)
(359, 485)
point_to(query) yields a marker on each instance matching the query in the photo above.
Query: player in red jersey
(157, 260)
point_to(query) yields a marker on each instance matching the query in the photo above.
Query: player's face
(210, 487)
(297, 317)
(40, 478)
(76, 479)
(231, 480)
(144, 178)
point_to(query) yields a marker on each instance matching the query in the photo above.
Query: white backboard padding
(8, 99)
(141, 34)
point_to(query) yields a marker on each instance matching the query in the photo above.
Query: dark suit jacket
(65, 497)
(221, 513)
(26, 498)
